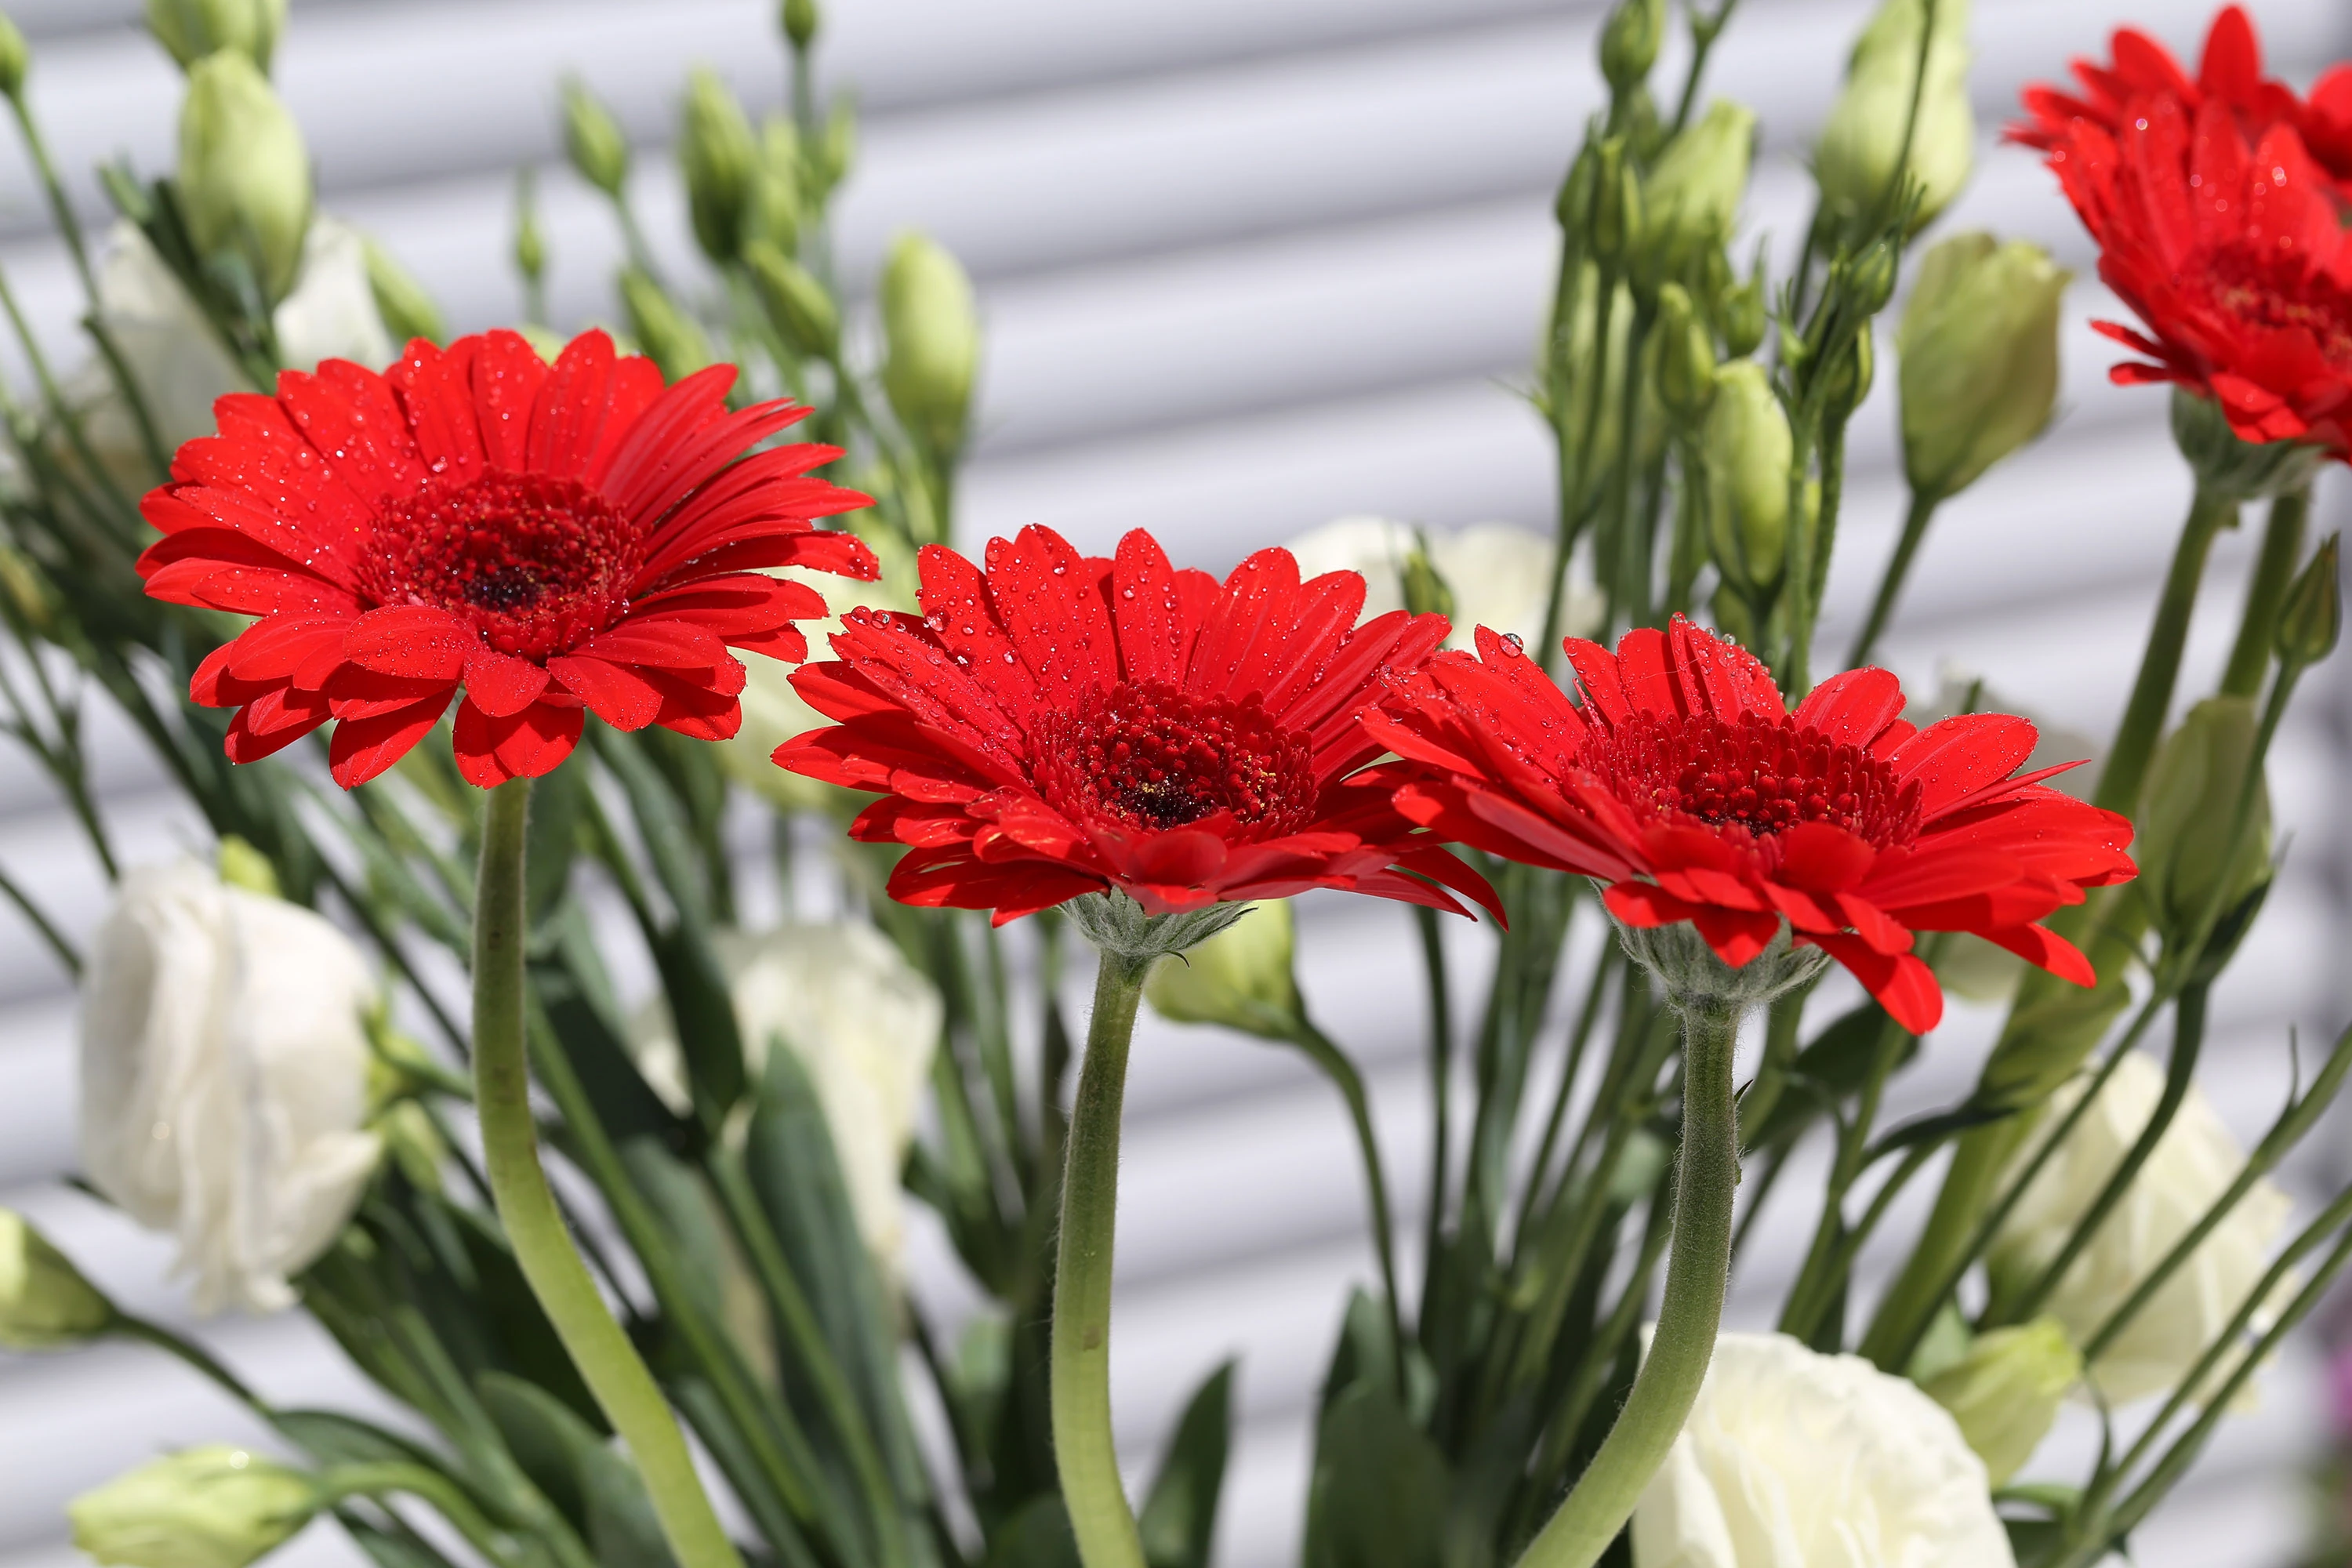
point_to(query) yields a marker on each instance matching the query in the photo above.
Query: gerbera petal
(528, 743)
(1852, 708)
(506, 376)
(1903, 986)
(1039, 587)
(621, 697)
(501, 686)
(1145, 609)
(1951, 759)
(414, 640)
(364, 747)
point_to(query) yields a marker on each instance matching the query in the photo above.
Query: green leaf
(623, 1103)
(1379, 1495)
(584, 1479)
(553, 840)
(1038, 1536)
(1180, 1516)
(332, 1438)
(388, 1550)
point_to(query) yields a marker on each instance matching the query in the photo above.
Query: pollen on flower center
(537, 563)
(1150, 756)
(2281, 291)
(1750, 780)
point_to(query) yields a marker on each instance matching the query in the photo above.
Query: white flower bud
(2005, 1391)
(1240, 978)
(1855, 161)
(931, 329)
(224, 1077)
(245, 175)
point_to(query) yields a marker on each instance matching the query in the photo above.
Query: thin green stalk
(1084, 1453)
(382, 1481)
(1572, 458)
(1441, 1084)
(609, 1365)
(2274, 572)
(1898, 570)
(2160, 669)
(196, 1355)
(1350, 1084)
(1704, 32)
(1698, 1266)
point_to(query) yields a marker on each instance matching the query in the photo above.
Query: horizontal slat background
(1246, 265)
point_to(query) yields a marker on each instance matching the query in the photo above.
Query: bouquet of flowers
(512, 666)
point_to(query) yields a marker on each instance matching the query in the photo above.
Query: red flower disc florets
(554, 540)
(1684, 783)
(2221, 224)
(1062, 724)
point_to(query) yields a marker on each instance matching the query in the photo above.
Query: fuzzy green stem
(2160, 667)
(609, 1365)
(1697, 1269)
(1898, 570)
(2273, 572)
(1083, 1450)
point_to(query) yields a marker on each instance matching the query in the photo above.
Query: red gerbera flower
(2232, 255)
(2229, 76)
(1062, 724)
(1682, 783)
(551, 538)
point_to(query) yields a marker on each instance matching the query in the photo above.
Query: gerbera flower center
(1150, 756)
(1750, 780)
(2281, 293)
(539, 564)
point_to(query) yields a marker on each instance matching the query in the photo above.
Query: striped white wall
(1247, 265)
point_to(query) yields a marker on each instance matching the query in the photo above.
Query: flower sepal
(2232, 467)
(1118, 925)
(1693, 976)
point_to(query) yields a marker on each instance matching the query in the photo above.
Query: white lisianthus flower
(1795, 1459)
(178, 361)
(2193, 1164)
(1497, 572)
(862, 1021)
(224, 1078)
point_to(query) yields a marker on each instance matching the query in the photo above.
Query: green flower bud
(1572, 206)
(796, 301)
(674, 339)
(1690, 203)
(799, 21)
(1240, 978)
(2005, 1391)
(15, 56)
(45, 1303)
(720, 159)
(2233, 469)
(930, 329)
(1742, 314)
(1686, 368)
(1426, 592)
(840, 147)
(245, 175)
(191, 29)
(1870, 278)
(242, 866)
(2313, 616)
(593, 139)
(29, 596)
(529, 245)
(1849, 373)
(215, 1507)
(1979, 346)
(1855, 161)
(1616, 226)
(2189, 819)
(1628, 41)
(408, 311)
(772, 213)
(1748, 451)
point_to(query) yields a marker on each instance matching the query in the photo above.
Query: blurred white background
(1246, 265)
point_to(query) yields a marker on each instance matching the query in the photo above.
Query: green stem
(384, 1480)
(1697, 1269)
(1350, 1084)
(2273, 572)
(2160, 667)
(614, 1371)
(1890, 587)
(1440, 1088)
(1083, 1450)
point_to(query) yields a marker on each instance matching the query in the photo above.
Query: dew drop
(1512, 641)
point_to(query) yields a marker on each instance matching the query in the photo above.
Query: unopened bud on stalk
(408, 311)
(799, 21)
(1748, 451)
(720, 159)
(529, 245)
(930, 329)
(1978, 345)
(2006, 1391)
(1743, 314)
(1850, 372)
(1871, 278)
(1686, 368)
(2313, 616)
(191, 29)
(30, 599)
(215, 1507)
(1856, 160)
(243, 866)
(593, 139)
(796, 301)
(2188, 819)
(772, 213)
(1690, 203)
(1426, 592)
(245, 175)
(1629, 42)
(1616, 203)
(1572, 208)
(840, 148)
(667, 333)
(2232, 468)
(1240, 978)
(45, 1303)
(15, 57)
